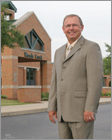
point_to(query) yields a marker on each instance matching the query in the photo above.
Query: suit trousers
(75, 130)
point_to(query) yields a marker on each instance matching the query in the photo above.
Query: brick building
(27, 71)
(106, 83)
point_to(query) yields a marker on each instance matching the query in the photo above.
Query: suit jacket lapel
(63, 53)
(77, 47)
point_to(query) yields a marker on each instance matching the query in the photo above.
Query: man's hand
(51, 114)
(89, 116)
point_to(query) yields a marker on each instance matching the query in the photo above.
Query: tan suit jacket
(76, 82)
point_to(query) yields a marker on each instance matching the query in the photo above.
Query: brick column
(24, 76)
(46, 72)
(44, 76)
(37, 77)
(10, 76)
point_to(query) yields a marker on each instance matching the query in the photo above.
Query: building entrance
(26, 70)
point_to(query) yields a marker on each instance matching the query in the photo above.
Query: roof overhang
(10, 4)
(24, 59)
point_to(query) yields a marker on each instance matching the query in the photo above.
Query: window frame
(32, 44)
(28, 80)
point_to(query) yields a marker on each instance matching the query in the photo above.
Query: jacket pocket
(80, 93)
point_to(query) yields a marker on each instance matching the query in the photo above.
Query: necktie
(68, 50)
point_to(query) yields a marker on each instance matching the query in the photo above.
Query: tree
(107, 61)
(10, 35)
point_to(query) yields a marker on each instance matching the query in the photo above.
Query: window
(6, 17)
(104, 81)
(32, 41)
(30, 76)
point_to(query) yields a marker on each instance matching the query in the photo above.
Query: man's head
(72, 27)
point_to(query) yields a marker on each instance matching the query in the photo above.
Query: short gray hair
(73, 15)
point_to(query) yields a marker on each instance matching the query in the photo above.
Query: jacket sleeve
(52, 103)
(94, 67)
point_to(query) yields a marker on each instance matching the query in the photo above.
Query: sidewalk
(33, 108)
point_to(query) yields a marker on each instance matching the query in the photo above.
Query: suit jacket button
(61, 79)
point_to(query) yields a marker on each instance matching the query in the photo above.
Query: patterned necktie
(68, 50)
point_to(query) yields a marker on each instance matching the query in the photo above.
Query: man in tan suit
(76, 83)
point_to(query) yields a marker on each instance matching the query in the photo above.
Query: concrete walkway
(33, 108)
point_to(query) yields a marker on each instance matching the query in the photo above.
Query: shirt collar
(72, 45)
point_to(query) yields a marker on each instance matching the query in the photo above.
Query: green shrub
(44, 96)
(102, 94)
(106, 94)
(3, 96)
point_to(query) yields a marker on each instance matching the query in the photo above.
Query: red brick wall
(11, 93)
(29, 95)
(11, 13)
(7, 51)
(26, 26)
(49, 74)
(10, 67)
(30, 64)
(20, 76)
(108, 79)
(106, 89)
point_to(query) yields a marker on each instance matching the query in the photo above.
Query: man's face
(72, 28)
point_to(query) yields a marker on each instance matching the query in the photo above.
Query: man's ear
(82, 27)
(63, 28)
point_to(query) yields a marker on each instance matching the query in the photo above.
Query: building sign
(38, 57)
(31, 56)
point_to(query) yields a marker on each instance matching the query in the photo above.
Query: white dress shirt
(70, 46)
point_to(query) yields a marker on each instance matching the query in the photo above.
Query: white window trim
(25, 67)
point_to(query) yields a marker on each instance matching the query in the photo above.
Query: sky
(96, 17)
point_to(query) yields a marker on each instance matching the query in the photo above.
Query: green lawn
(5, 102)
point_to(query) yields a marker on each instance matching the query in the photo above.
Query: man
(76, 83)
